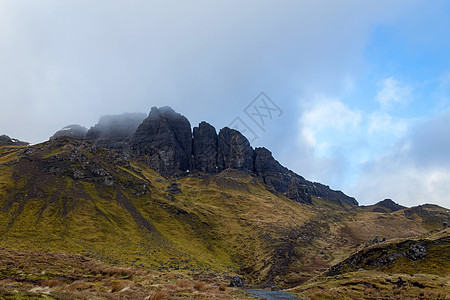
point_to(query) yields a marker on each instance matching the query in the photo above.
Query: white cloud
(382, 122)
(392, 92)
(415, 171)
(407, 184)
(325, 114)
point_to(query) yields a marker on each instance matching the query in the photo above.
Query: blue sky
(364, 86)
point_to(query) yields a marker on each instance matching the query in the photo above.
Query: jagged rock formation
(205, 148)
(164, 138)
(235, 151)
(115, 131)
(74, 131)
(7, 141)
(291, 184)
(165, 142)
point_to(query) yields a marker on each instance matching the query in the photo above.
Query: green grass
(227, 222)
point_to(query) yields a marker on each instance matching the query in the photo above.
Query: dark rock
(173, 188)
(115, 131)
(236, 281)
(204, 148)
(235, 151)
(165, 139)
(291, 184)
(165, 142)
(389, 204)
(416, 251)
(7, 141)
(73, 131)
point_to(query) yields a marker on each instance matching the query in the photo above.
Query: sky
(353, 94)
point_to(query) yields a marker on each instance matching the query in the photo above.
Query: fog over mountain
(361, 88)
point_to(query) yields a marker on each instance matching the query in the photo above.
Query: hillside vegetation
(69, 196)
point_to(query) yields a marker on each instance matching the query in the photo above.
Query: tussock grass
(68, 276)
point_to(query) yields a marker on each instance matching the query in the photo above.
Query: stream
(272, 295)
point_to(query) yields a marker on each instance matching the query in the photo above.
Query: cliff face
(165, 138)
(167, 144)
(205, 148)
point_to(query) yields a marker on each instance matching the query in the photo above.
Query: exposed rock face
(115, 131)
(7, 141)
(165, 138)
(73, 131)
(204, 148)
(291, 184)
(235, 151)
(165, 142)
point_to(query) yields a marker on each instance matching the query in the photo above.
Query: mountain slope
(69, 195)
(403, 268)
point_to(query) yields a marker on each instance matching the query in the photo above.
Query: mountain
(7, 141)
(164, 141)
(158, 195)
(74, 131)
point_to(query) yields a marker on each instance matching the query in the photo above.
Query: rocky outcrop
(382, 255)
(115, 131)
(291, 184)
(73, 131)
(7, 141)
(164, 140)
(389, 204)
(235, 151)
(205, 148)
(236, 281)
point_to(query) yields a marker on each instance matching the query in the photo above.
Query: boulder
(236, 281)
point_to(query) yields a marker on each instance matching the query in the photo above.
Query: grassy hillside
(404, 268)
(26, 274)
(68, 196)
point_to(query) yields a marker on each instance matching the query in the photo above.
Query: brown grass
(158, 295)
(200, 286)
(222, 287)
(117, 286)
(183, 283)
(51, 283)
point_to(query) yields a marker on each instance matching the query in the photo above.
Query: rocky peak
(7, 141)
(235, 151)
(391, 205)
(164, 138)
(165, 142)
(205, 148)
(74, 131)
